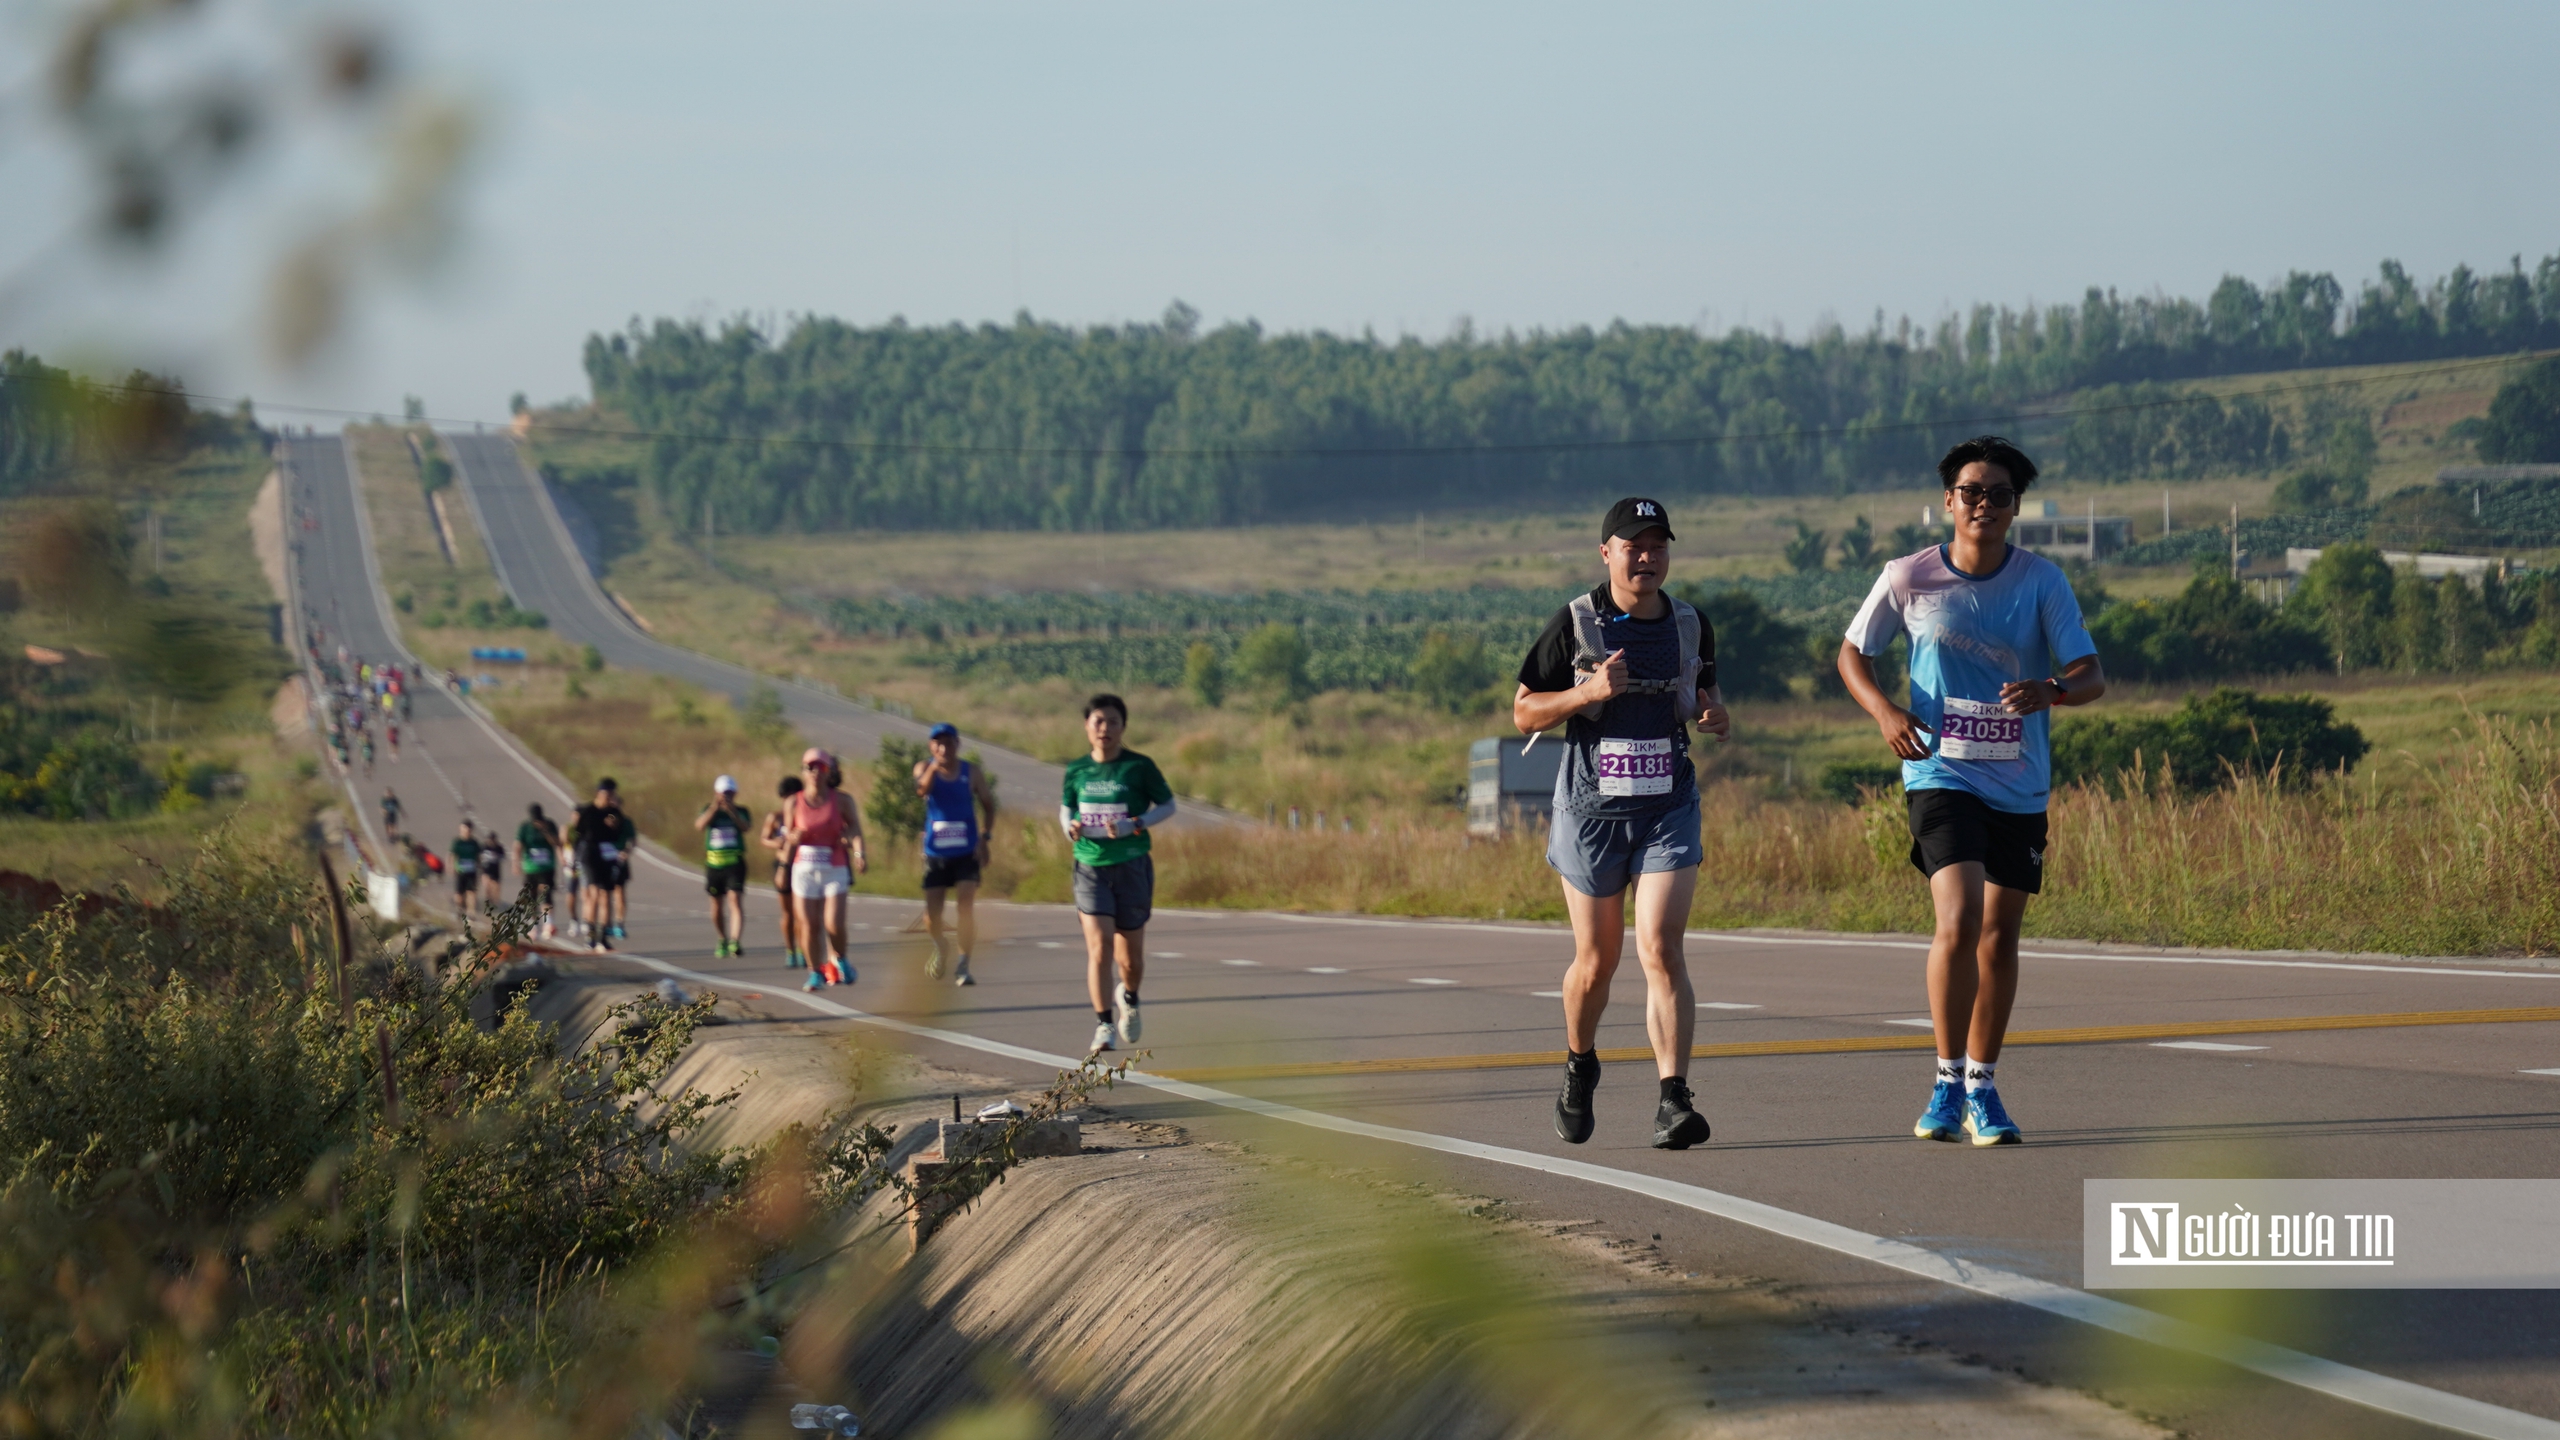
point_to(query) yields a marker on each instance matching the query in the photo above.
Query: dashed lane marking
(2202, 1045)
(1720, 1005)
(1428, 980)
(1852, 1044)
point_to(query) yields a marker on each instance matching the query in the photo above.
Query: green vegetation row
(1112, 615)
(1035, 425)
(2509, 515)
(2351, 611)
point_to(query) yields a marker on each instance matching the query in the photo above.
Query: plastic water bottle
(825, 1419)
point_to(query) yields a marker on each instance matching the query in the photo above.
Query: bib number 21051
(1634, 767)
(1977, 730)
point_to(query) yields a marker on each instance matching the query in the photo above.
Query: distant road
(541, 568)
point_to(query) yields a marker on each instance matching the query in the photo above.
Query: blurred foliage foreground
(261, 1175)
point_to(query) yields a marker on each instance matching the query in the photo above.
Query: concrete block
(968, 1139)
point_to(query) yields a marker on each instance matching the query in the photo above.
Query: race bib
(1978, 730)
(1634, 767)
(950, 835)
(462, 866)
(536, 860)
(1100, 820)
(607, 851)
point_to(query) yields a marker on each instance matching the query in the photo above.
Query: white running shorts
(820, 879)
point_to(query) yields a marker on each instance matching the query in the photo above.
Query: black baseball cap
(1635, 515)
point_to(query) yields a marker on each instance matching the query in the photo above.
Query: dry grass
(662, 739)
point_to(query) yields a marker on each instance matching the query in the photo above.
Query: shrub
(2523, 427)
(1756, 652)
(1272, 662)
(1204, 674)
(2213, 628)
(896, 808)
(1452, 672)
(2211, 740)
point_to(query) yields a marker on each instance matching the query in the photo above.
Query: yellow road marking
(1851, 1044)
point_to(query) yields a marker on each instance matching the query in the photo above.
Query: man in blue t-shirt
(1996, 642)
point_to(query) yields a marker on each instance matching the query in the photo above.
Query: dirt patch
(290, 711)
(266, 532)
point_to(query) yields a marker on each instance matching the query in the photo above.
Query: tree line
(1039, 425)
(54, 423)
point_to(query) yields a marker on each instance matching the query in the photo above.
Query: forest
(1037, 425)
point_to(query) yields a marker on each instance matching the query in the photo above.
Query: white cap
(726, 785)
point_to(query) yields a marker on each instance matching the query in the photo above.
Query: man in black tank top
(1614, 668)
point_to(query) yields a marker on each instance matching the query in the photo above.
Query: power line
(1371, 452)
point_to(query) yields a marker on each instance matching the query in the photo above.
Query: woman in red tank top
(823, 831)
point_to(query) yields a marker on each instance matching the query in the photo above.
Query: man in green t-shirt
(724, 824)
(538, 852)
(1112, 798)
(466, 870)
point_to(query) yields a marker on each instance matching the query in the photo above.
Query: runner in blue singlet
(955, 841)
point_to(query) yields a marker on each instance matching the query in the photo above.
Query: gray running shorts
(1601, 857)
(1125, 892)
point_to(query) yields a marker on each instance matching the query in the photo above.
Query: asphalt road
(540, 566)
(1812, 1127)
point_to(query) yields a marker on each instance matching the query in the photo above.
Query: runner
(1996, 641)
(625, 839)
(825, 824)
(466, 870)
(391, 810)
(1625, 669)
(795, 953)
(1111, 799)
(538, 853)
(723, 824)
(493, 871)
(595, 832)
(955, 842)
(391, 733)
(368, 754)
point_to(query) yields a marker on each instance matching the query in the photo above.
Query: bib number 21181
(1634, 767)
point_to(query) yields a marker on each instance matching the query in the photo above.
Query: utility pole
(2235, 540)
(2164, 512)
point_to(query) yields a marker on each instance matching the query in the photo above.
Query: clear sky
(1393, 167)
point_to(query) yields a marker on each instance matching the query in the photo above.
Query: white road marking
(1171, 955)
(1547, 994)
(1239, 962)
(2293, 1367)
(1053, 944)
(1719, 1004)
(2538, 1072)
(2201, 1045)
(1428, 981)
(1326, 970)
(1924, 1022)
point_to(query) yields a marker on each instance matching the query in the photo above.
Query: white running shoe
(933, 962)
(960, 974)
(1101, 1040)
(1130, 1028)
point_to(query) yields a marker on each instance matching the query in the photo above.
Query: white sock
(1950, 1070)
(1977, 1075)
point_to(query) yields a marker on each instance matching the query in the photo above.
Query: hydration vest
(1591, 652)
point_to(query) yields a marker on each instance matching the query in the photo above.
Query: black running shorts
(1949, 827)
(599, 873)
(725, 879)
(941, 872)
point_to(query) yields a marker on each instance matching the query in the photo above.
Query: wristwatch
(2059, 689)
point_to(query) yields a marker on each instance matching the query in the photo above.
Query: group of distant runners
(1996, 641)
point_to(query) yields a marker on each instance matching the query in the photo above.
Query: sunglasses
(1972, 496)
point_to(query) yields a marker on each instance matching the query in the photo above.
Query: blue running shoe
(1986, 1121)
(796, 962)
(1944, 1119)
(850, 974)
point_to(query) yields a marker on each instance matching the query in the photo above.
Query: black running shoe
(1573, 1102)
(1678, 1125)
